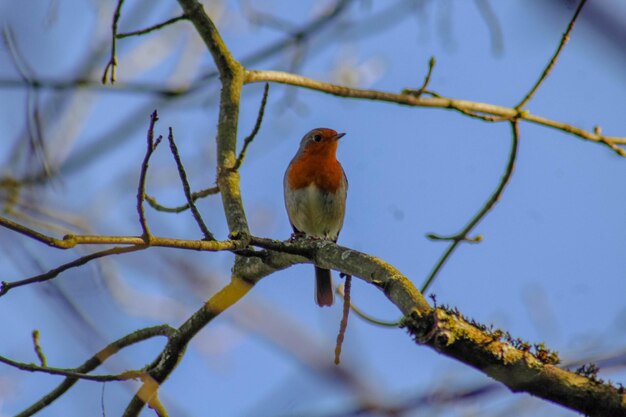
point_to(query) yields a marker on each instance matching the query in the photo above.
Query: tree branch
(136, 243)
(492, 352)
(38, 350)
(173, 352)
(196, 195)
(555, 57)
(471, 108)
(71, 372)
(151, 28)
(448, 332)
(231, 77)
(463, 235)
(423, 88)
(112, 64)
(53, 273)
(141, 189)
(452, 335)
(301, 34)
(214, 190)
(367, 317)
(70, 241)
(248, 140)
(95, 361)
(187, 189)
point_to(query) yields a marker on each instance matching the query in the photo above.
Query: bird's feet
(297, 235)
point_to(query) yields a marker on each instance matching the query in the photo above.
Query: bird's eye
(317, 138)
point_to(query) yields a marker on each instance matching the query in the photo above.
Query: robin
(315, 197)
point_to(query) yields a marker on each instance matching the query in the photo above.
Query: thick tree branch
(231, 77)
(492, 352)
(519, 370)
(325, 254)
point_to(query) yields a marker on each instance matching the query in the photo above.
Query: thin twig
(72, 373)
(102, 409)
(462, 236)
(423, 88)
(95, 361)
(141, 189)
(38, 350)
(112, 64)
(344, 318)
(196, 195)
(183, 178)
(151, 28)
(475, 239)
(431, 66)
(53, 273)
(255, 130)
(552, 62)
(367, 317)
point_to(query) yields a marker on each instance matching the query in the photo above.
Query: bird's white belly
(316, 213)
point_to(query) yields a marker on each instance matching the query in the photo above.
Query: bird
(315, 191)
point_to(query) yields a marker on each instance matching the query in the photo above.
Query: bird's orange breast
(316, 167)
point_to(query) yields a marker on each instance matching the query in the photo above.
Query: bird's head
(320, 140)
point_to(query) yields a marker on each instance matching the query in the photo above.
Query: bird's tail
(323, 287)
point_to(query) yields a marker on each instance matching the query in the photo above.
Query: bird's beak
(339, 136)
